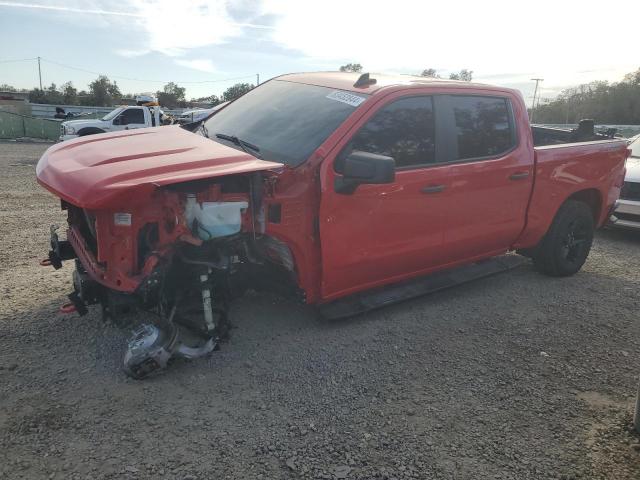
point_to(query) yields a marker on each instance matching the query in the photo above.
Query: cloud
(63, 8)
(202, 64)
(170, 27)
(554, 40)
(132, 53)
(489, 37)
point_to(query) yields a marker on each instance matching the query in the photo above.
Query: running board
(381, 297)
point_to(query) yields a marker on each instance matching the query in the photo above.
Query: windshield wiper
(247, 147)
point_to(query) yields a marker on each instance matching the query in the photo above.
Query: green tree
(614, 103)
(351, 67)
(69, 94)
(464, 75)
(236, 91)
(53, 95)
(430, 72)
(103, 92)
(171, 95)
(4, 87)
(37, 96)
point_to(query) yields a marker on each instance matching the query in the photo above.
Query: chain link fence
(13, 125)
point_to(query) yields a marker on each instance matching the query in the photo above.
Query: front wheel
(566, 246)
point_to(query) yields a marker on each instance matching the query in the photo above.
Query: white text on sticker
(344, 97)
(122, 219)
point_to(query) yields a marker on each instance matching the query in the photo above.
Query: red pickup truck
(327, 186)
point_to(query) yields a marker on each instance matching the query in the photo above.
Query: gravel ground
(517, 376)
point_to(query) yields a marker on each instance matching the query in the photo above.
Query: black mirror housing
(365, 168)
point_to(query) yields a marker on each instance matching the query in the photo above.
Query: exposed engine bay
(183, 256)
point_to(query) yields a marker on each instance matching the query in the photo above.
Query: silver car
(627, 210)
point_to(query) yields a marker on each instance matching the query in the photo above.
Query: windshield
(635, 147)
(287, 121)
(113, 114)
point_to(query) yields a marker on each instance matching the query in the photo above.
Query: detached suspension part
(151, 347)
(207, 305)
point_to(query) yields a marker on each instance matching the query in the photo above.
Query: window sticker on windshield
(122, 219)
(344, 97)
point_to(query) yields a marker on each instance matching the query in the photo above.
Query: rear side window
(483, 126)
(403, 130)
(133, 115)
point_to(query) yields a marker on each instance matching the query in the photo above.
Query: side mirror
(365, 168)
(120, 120)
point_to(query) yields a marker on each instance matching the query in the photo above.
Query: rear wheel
(565, 247)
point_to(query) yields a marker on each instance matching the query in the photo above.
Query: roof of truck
(346, 81)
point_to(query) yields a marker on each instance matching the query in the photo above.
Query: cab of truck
(122, 118)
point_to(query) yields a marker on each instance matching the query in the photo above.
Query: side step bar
(380, 297)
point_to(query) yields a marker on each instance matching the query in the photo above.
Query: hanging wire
(19, 60)
(142, 79)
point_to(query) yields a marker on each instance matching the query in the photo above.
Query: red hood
(95, 171)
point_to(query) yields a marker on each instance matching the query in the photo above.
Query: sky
(206, 46)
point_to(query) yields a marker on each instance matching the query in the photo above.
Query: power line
(18, 60)
(141, 79)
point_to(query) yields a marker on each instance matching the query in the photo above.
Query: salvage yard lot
(513, 377)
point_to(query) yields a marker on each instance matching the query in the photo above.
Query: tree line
(103, 92)
(604, 102)
(614, 103)
(464, 74)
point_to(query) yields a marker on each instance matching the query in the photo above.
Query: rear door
(384, 233)
(491, 168)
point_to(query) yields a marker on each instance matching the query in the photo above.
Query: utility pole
(39, 73)
(535, 92)
(257, 79)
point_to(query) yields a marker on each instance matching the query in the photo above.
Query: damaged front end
(179, 250)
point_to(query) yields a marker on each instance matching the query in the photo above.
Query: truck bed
(592, 170)
(543, 136)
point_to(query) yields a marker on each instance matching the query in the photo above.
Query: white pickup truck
(122, 118)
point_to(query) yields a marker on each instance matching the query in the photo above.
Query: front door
(383, 233)
(131, 118)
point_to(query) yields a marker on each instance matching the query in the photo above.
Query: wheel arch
(89, 131)
(592, 197)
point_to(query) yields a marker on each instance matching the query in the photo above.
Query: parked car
(627, 212)
(345, 191)
(198, 114)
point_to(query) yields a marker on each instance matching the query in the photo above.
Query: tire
(567, 244)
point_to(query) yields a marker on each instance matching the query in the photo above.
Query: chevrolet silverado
(346, 191)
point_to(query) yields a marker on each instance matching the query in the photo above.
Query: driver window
(403, 130)
(131, 115)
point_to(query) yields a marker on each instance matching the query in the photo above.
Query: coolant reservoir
(214, 219)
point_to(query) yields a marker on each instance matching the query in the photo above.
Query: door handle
(433, 189)
(519, 176)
